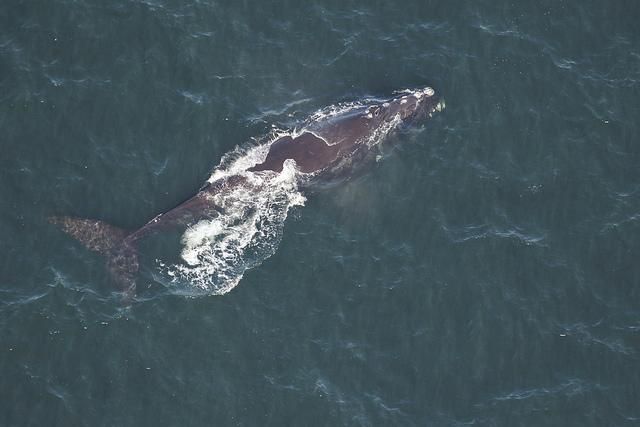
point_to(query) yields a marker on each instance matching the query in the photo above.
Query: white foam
(217, 252)
(335, 110)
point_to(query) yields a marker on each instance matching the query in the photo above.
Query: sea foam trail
(217, 252)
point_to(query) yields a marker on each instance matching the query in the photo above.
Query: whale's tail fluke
(107, 240)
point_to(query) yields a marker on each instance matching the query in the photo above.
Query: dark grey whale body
(323, 145)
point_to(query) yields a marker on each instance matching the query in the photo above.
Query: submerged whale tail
(107, 240)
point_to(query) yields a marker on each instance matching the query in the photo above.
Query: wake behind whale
(236, 220)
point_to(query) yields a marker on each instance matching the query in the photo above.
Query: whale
(329, 145)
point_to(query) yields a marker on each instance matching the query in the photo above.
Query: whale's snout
(436, 107)
(416, 104)
(405, 108)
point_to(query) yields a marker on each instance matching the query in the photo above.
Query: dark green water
(484, 274)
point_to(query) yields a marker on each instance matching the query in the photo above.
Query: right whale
(331, 144)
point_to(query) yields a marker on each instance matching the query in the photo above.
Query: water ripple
(570, 388)
(464, 233)
(585, 334)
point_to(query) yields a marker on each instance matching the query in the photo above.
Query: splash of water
(217, 252)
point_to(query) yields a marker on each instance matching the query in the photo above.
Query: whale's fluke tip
(108, 240)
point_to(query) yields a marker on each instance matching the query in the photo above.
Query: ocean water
(484, 273)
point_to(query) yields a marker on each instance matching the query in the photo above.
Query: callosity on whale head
(407, 106)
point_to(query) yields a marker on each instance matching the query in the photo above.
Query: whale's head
(407, 107)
